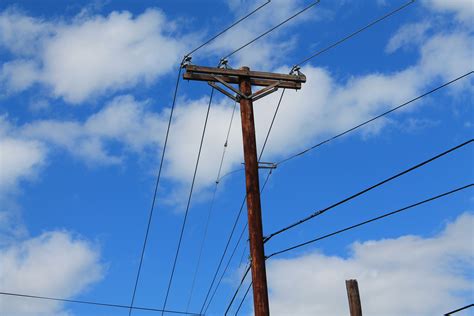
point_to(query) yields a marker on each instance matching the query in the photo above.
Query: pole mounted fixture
(227, 76)
(245, 79)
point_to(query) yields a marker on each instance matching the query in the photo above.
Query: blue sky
(86, 89)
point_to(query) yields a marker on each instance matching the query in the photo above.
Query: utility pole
(354, 299)
(245, 79)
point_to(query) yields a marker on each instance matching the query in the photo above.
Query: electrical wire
(272, 29)
(149, 309)
(223, 255)
(370, 220)
(322, 211)
(340, 41)
(158, 177)
(374, 118)
(350, 228)
(459, 309)
(370, 120)
(344, 230)
(241, 208)
(189, 199)
(239, 240)
(225, 270)
(228, 28)
(243, 298)
(238, 288)
(211, 208)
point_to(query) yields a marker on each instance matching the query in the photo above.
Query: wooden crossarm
(235, 79)
(247, 73)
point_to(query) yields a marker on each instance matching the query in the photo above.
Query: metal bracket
(265, 165)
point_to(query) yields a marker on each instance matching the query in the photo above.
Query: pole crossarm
(257, 78)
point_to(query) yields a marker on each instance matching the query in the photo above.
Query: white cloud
(53, 264)
(20, 159)
(21, 34)
(409, 275)
(124, 121)
(270, 48)
(90, 55)
(334, 105)
(464, 9)
(409, 34)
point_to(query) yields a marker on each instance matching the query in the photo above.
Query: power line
(354, 33)
(271, 124)
(238, 288)
(189, 199)
(350, 228)
(459, 309)
(322, 211)
(211, 208)
(272, 29)
(240, 210)
(371, 220)
(243, 298)
(374, 118)
(166, 139)
(223, 255)
(225, 269)
(228, 28)
(366, 122)
(239, 240)
(158, 177)
(149, 309)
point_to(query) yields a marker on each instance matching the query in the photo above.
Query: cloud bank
(409, 275)
(90, 55)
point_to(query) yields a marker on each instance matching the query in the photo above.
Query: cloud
(20, 159)
(53, 264)
(128, 126)
(270, 48)
(464, 9)
(409, 275)
(335, 105)
(89, 55)
(407, 35)
(123, 121)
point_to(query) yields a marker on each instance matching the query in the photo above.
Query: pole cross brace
(239, 95)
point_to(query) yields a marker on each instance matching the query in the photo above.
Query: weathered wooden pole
(259, 275)
(354, 299)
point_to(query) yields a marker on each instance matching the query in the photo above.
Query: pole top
(245, 68)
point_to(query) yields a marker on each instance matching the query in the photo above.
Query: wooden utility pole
(245, 79)
(259, 275)
(354, 299)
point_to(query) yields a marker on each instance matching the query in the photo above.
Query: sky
(86, 90)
